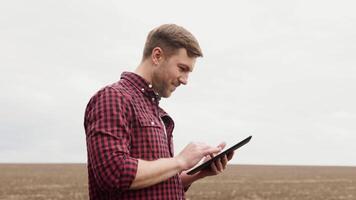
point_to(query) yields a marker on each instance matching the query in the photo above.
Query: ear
(156, 55)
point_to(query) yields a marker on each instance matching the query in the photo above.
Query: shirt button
(152, 123)
(143, 89)
(153, 99)
(150, 86)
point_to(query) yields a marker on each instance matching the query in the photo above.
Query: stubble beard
(160, 86)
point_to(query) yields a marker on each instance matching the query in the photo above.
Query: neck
(144, 69)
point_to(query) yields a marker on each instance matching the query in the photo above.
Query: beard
(161, 83)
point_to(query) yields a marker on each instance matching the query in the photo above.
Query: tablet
(207, 163)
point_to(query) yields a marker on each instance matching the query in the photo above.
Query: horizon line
(242, 164)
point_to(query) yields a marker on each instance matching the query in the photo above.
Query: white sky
(282, 71)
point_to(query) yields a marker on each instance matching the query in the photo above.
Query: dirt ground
(242, 182)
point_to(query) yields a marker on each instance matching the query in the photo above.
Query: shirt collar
(141, 84)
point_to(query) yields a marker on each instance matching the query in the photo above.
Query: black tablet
(207, 163)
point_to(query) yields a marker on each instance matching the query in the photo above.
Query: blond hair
(170, 38)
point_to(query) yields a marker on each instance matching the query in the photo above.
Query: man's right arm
(153, 172)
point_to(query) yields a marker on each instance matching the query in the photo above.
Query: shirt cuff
(128, 172)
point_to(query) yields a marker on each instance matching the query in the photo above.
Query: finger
(224, 161)
(219, 165)
(208, 157)
(214, 168)
(230, 155)
(211, 150)
(222, 145)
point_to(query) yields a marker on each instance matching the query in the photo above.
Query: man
(129, 137)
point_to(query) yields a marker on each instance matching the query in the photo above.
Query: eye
(181, 69)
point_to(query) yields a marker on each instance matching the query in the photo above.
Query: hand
(217, 166)
(193, 153)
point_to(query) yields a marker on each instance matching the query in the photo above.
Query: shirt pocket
(154, 137)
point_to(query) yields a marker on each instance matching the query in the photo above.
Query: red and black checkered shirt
(123, 122)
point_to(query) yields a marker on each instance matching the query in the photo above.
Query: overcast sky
(282, 71)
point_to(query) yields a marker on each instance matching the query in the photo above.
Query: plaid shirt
(123, 123)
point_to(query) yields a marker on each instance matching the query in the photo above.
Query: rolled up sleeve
(108, 140)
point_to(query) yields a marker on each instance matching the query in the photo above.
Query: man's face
(171, 72)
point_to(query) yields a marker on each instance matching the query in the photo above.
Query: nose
(184, 79)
